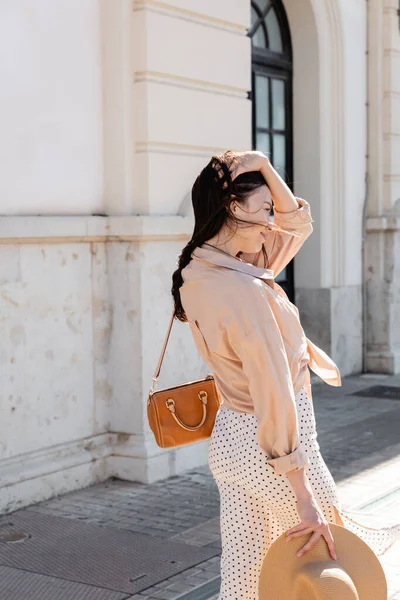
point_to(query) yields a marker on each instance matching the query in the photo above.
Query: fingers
(299, 533)
(236, 167)
(327, 535)
(233, 161)
(241, 161)
(311, 542)
(296, 528)
(331, 543)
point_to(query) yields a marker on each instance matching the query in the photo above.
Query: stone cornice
(383, 223)
(189, 83)
(62, 229)
(188, 15)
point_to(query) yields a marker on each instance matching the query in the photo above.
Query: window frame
(279, 66)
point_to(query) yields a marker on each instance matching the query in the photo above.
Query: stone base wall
(85, 311)
(332, 319)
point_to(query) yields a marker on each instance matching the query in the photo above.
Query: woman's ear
(231, 207)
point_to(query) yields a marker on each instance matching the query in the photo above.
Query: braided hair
(212, 195)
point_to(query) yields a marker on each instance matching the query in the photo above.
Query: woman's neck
(229, 245)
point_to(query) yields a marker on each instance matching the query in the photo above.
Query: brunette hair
(212, 195)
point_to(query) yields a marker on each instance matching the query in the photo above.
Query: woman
(263, 452)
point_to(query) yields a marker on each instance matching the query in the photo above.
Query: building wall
(51, 117)
(106, 123)
(112, 127)
(84, 315)
(192, 72)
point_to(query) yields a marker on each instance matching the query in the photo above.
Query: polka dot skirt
(257, 505)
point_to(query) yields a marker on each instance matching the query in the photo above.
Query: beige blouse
(249, 334)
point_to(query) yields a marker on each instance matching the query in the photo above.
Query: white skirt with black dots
(257, 505)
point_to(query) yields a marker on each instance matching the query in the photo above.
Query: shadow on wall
(185, 207)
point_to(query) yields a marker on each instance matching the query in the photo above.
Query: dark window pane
(278, 104)
(259, 38)
(263, 142)
(282, 276)
(262, 101)
(272, 96)
(262, 4)
(254, 16)
(274, 32)
(279, 158)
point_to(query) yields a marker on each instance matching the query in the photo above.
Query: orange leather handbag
(183, 414)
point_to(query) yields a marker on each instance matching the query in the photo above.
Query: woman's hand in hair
(244, 161)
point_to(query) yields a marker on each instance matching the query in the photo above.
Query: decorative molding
(382, 223)
(177, 149)
(391, 3)
(391, 94)
(391, 177)
(383, 361)
(118, 122)
(188, 83)
(37, 476)
(338, 141)
(56, 458)
(390, 51)
(391, 10)
(85, 229)
(333, 130)
(375, 110)
(189, 15)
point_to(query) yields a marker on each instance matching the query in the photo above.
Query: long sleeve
(259, 345)
(280, 246)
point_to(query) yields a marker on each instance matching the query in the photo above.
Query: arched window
(272, 94)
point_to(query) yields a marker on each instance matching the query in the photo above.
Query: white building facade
(110, 108)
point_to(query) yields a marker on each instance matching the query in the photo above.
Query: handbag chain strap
(161, 359)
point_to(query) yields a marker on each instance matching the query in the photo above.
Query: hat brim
(354, 556)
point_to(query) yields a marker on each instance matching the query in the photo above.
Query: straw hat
(356, 575)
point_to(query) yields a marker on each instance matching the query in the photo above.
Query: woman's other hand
(312, 521)
(243, 162)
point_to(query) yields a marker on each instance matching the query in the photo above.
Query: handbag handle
(161, 359)
(202, 396)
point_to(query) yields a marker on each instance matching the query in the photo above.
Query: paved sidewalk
(129, 541)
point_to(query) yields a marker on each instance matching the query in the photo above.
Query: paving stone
(178, 587)
(164, 595)
(111, 559)
(16, 584)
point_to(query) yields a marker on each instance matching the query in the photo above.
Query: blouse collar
(226, 261)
